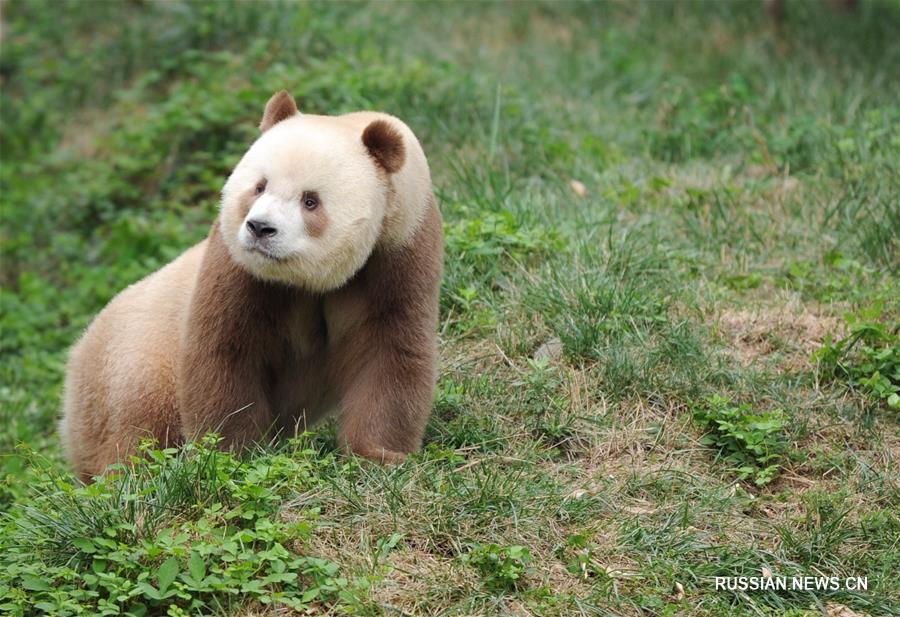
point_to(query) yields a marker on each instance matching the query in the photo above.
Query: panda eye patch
(310, 200)
(260, 187)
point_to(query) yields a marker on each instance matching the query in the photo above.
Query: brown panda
(316, 290)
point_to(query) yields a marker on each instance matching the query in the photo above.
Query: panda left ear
(385, 145)
(280, 107)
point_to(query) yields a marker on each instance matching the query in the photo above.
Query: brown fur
(247, 200)
(280, 107)
(315, 220)
(376, 336)
(382, 346)
(234, 347)
(106, 414)
(385, 145)
(220, 350)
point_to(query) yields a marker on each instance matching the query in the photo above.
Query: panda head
(308, 202)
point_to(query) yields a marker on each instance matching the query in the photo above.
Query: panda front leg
(385, 360)
(385, 392)
(224, 396)
(232, 326)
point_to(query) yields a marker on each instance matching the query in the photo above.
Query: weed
(500, 567)
(868, 358)
(176, 530)
(754, 444)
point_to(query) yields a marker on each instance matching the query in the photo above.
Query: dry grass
(784, 332)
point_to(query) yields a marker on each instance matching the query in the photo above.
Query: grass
(681, 365)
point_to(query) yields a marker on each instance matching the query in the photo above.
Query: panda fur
(315, 291)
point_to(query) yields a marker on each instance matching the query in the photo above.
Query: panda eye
(260, 187)
(310, 201)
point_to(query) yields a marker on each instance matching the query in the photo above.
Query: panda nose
(261, 229)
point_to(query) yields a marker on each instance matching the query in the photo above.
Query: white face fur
(305, 204)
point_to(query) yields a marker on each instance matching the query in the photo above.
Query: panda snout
(261, 229)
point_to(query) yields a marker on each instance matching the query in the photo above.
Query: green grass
(683, 371)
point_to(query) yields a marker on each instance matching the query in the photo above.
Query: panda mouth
(264, 253)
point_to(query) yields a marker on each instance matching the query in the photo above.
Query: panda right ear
(280, 107)
(385, 145)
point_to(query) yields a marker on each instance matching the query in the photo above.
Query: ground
(669, 316)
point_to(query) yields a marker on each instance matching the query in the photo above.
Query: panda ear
(385, 145)
(280, 107)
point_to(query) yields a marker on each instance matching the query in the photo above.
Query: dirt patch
(839, 610)
(791, 332)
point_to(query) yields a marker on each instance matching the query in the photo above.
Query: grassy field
(669, 319)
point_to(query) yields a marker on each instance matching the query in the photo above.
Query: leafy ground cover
(669, 320)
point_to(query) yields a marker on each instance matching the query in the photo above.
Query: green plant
(500, 567)
(581, 559)
(175, 531)
(754, 444)
(867, 359)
